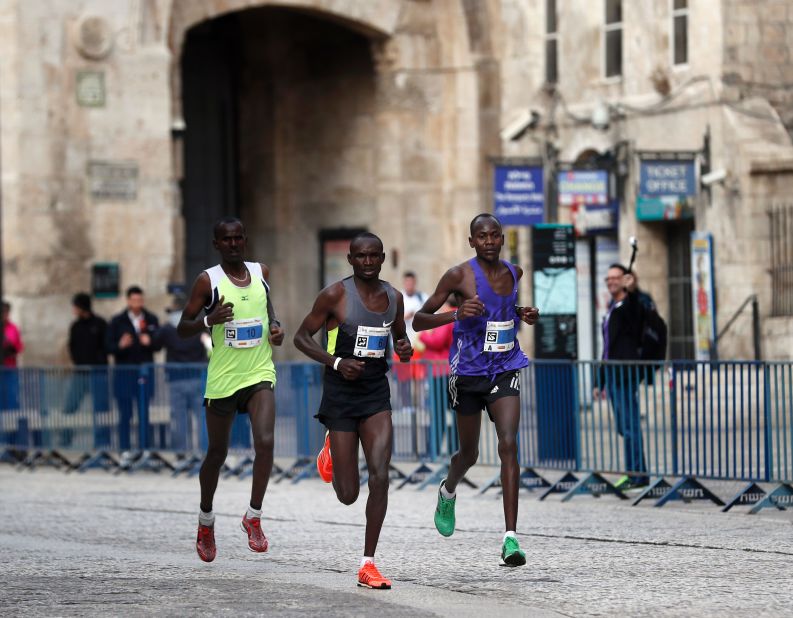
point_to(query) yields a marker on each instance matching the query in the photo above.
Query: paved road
(123, 545)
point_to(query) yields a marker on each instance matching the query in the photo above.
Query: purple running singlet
(488, 345)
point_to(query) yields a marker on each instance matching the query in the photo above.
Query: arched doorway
(279, 129)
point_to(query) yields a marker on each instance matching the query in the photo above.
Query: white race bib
(500, 336)
(243, 333)
(371, 341)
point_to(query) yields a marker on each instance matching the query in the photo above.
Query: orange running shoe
(253, 527)
(369, 577)
(324, 462)
(205, 543)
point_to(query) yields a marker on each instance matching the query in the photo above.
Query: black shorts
(470, 394)
(346, 403)
(238, 401)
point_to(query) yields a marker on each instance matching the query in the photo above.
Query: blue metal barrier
(719, 420)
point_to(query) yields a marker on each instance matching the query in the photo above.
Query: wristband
(336, 363)
(206, 321)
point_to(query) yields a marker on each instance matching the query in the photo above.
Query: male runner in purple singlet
(485, 362)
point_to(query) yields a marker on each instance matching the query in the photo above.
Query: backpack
(652, 346)
(654, 336)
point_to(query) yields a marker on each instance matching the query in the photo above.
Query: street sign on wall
(519, 194)
(667, 186)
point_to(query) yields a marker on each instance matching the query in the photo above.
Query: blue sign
(666, 190)
(586, 193)
(519, 195)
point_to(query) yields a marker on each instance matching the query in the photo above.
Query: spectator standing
(129, 340)
(622, 331)
(414, 300)
(87, 350)
(12, 348)
(186, 364)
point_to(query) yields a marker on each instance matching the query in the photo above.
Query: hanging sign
(667, 186)
(519, 194)
(586, 193)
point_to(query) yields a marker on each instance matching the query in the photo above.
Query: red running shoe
(205, 543)
(369, 577)
(324, 462)
(253, 527)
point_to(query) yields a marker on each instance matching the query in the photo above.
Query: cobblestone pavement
(96, 543)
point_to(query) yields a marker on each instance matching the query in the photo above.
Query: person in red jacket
(437, 342)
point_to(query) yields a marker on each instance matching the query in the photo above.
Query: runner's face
(230, 242)
(366, 258)
(487, 239)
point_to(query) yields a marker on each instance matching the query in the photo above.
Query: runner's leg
(346, 480)
(506, 414)
(468, 426)
(376, 434)
(218, 432)
(261, 408)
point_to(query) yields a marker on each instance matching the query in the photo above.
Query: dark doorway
(209, 93)
(681, 320)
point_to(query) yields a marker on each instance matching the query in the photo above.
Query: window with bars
(679, 32)
(612, 39)
(781, 220)
(551, 43)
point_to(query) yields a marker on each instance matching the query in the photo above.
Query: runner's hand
(351, 369)
(403, 349)
(276, 334)
(222, 313)
(471, 308)
(530, 315)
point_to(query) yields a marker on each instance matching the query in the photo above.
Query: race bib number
(500, 336)
(243, 333)
(371, 342)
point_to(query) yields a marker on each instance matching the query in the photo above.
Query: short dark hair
(620, 267)
(81, 300)
(134, 289)
(365, 236)
(225, 221)
(409, 273)
(482, 215)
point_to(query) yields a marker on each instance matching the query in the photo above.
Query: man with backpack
(623, 327)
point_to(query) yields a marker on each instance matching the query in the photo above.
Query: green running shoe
(444, 513)
(511, 553)
(623, 483)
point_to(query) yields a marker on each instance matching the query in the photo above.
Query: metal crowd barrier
(718, 420)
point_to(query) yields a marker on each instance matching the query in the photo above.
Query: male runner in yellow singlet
(235, 297)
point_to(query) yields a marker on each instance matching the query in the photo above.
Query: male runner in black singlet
(359, 313)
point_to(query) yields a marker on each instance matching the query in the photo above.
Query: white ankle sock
(445, 492)
(366, 559)
(253, 513)
(206, 519)
(510, 533)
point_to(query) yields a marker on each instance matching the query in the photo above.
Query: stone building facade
(127, 127)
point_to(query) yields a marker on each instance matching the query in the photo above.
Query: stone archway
(371, 121)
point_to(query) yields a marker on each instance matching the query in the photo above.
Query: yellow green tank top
(241, 351)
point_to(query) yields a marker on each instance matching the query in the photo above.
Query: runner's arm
(322, 311)
(530, 315)
(200, 295)
(402, 344)
(451, 282)
(276, 331)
